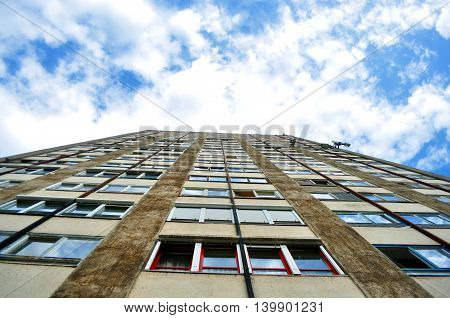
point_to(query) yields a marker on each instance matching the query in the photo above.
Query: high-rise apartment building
(183, 214)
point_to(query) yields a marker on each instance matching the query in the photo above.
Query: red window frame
(327, 262)
(286, 269)
(202, 256)
(157, 259)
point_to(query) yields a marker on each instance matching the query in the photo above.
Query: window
(117, 164)
(153, 175)
(340, 196)
(115, 188)
(97, 174)
(4, 236)
(96, 210)
(218, 215)
(301, 172)
(205, 192)
(427, 219)
(63, 186)
(368, 218)
(8, 183)
(355, 183)
(174, 257)
(201, 214)
(47, 247)
(443, 198)
(381, 174)
(388, 197)
(311, 261)
(38, 171)
(31, 206)
(247, 180)
(219, 259)
(252, 216)
(257, 194)
(268, 261)
(277, 217)
(185, 214)
(198, 178)
(419, 260)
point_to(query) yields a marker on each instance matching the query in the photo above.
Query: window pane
(175, 256)
(238, 180)
(344, 196)
(217, 193)
(186, 214)
(114, 188)
(372, 197)
(198, 178)
(378, 218)
(218, 179)
(439, 258)
(404, 258)
(217, 169)
(153, 175)
(323, 196)
(113, 211)
(47, 207)
(256, 180)
(354, 218)
(74, 248)
(35, 247)
(416, 219)
(19, 205)
(3, 237)
(252, 216)
(86, 187)
(444, 199)
(283, 216)
(193, 192)
(267, 194)
(137, 189)
(390, 197)
(218, 215)
(219, 260)
(308, 259)
(266, 261)
(438, 220)
(65, 186)
(82, 209)
(244, 194)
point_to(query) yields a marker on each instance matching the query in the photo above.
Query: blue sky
(228, 63)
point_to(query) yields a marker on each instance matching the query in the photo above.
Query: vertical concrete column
(112, 268)
(370, 270)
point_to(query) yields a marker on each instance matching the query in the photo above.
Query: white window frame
(93, 213)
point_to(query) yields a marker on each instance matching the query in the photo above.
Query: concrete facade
(136, 203)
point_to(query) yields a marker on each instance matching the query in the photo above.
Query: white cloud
(436, 157)
(443, 23)
(248, 79)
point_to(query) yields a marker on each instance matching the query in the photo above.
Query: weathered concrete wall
(113, 267)
(20, 280)
(76, 226)
(369, 269)
(436, 286)
(186, 285)
(295, 286)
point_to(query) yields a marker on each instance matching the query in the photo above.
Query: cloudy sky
(76, 70)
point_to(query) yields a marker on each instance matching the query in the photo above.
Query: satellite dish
(337, 144)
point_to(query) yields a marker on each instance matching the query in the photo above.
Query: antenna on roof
(337, 144)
